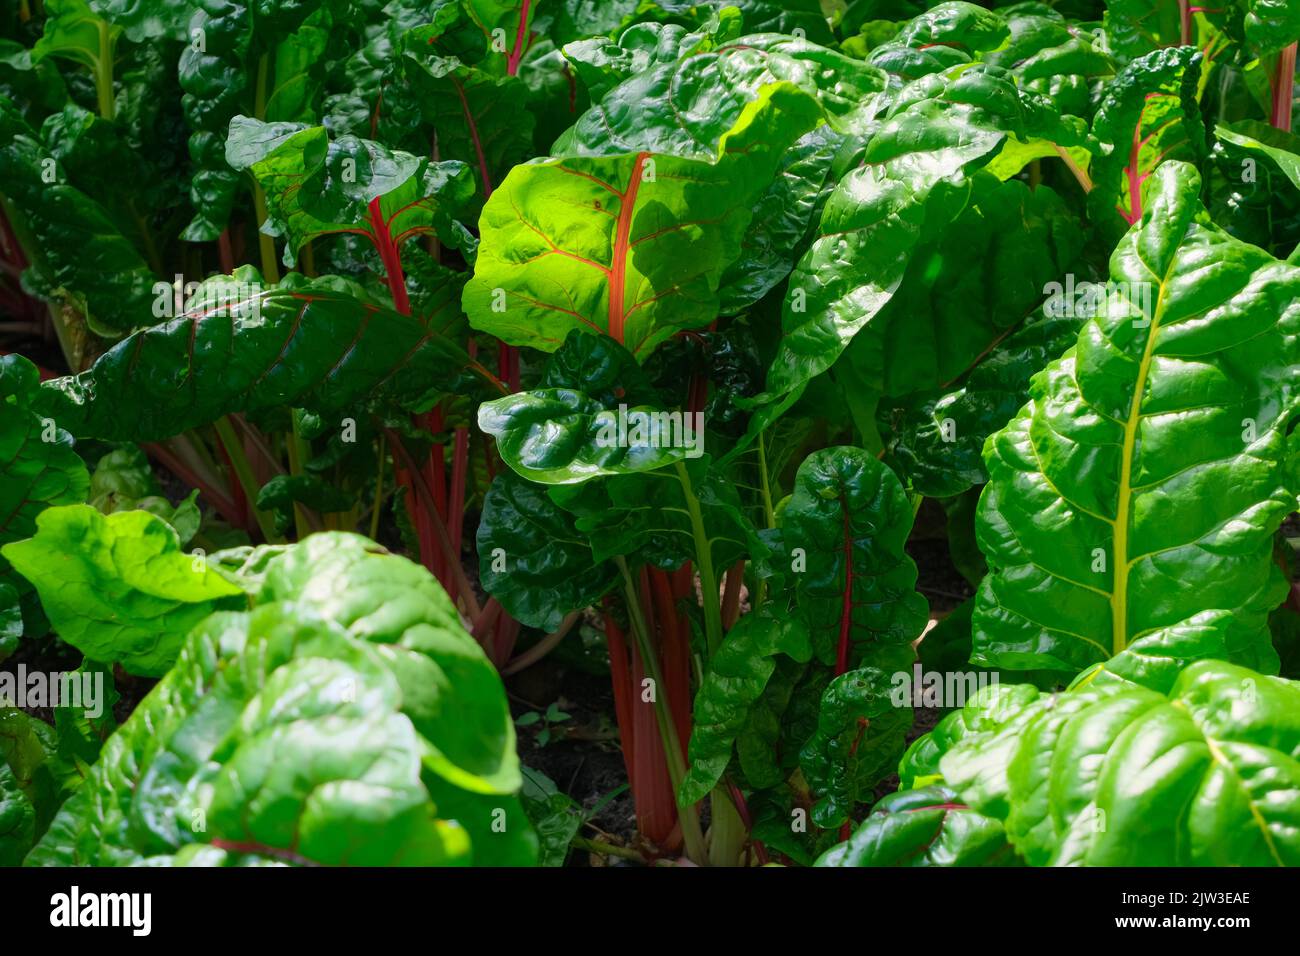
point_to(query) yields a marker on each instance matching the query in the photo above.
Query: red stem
(225, 253)
(742, 808)
(519, 49)
(389, 256)
(472, 126)
(622, 247)
(1284, 88)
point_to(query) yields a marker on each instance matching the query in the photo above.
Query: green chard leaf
(1154, 451)
(926, 827)
(319, 186)
(118, 587)
(1150, 114)
(934, 439)
(914, 183)
(1204, 774)
(629, 228)
(269, 65)
(347, 719)
(860, 735)
(844, 529)
(535, 561)
(314, 344)
(737, 676)
(38, 469)
(78, 246)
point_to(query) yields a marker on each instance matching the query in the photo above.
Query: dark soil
(582, 755)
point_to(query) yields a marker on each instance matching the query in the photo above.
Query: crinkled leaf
(347, 719)
(859, 738)
(1116, 775)
(926, 827)
(312, 345)
(535, 562)
(1150, 114)
(845, 527)
(737, 676)
(118, 587)
(1144, 480)
(913, 185)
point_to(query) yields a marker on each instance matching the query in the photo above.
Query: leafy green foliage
(321, 345)
(647, 326)
(38, 469)
(1073, 777)
(118, 587)
(352, 670)
(1178, 399)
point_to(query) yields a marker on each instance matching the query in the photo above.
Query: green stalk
(691, 832)
(299, 451)
(764, 483)
(704, 560)
(265, 244)
(727, 830)
(104, 73)
(244, 473)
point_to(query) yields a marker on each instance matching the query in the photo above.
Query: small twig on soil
(609, 849)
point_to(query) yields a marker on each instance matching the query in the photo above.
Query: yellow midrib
(1119, 597)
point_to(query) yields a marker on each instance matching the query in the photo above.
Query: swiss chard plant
(797, 369)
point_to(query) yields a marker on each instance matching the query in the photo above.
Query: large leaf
(347, 719)
(934, 438)
(686, 108)
(118, 587)
(1115, 775)
(1052, 56)
(844, 529)
(631, 246)
(38, 469)
(949, 34)
(1150, 114)
(913, 184)
(966, 290)
(268, 64)
(738, 673)
(533, 560)
(78, 247)
(316, 345)
(320, 186)
(926, 827)
(630, 230)
(1144, 480)
(603, 62)
(476, 115)
(648, 516)
(784, 215)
